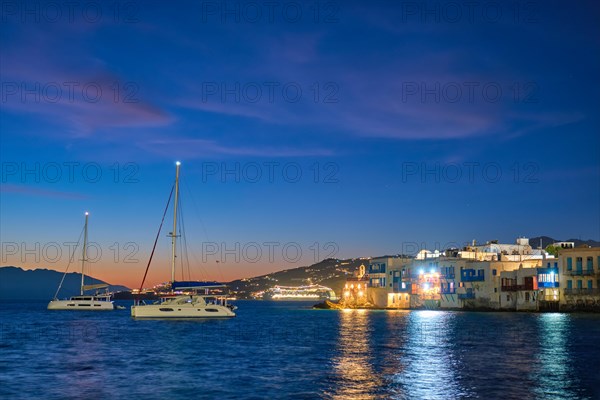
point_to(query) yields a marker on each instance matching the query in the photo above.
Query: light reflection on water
(429, 371)
(554, 373)
(352, 366)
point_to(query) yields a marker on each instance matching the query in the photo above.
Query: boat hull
(180, 311)
(81, 305)
(296, 298)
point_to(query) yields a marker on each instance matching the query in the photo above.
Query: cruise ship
(300, 293)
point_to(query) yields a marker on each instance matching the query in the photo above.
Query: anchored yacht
(96, 302)
(185, 299)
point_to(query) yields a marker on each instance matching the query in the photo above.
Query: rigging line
(179, 233)
(182, 242)
(68, 264)
(197, 210)
(88, 265)
(157, 236)
(181, 253)
(203, 270)
(185, 251)
(204, 273)
(187, 256)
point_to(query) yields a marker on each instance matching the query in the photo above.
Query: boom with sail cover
(97, 286)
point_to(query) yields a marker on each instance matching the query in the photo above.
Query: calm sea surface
(287, 350)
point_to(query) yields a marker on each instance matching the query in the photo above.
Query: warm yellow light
(352, 286)
(347, 293)
(360, 293)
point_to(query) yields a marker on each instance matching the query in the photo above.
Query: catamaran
(96, 302)
(184, 299)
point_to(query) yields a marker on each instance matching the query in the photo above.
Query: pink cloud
(40, 76)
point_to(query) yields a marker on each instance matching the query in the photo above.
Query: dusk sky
(358, 128)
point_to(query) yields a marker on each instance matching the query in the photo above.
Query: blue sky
(498, 103)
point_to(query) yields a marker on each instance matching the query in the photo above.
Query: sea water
(279, 350)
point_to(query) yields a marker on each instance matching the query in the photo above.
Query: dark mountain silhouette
(41, 284)
(330, 272)
(546, 240)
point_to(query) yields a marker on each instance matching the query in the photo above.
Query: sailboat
(184, 299)
(96, 302)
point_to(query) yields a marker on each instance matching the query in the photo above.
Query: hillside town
(492, 276)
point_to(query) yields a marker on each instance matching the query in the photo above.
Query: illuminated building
(492, 276)
(548, 279)
(471, 277)
(579, 278)
(355, 289)
(519, 290)
(384, 277)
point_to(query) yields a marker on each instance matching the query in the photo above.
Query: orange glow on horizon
(131, 274)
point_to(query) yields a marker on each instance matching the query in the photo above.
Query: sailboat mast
(174, 233)
(85, 237)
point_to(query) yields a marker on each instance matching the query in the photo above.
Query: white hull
(81, 305)
(297, 298)
(182, 307)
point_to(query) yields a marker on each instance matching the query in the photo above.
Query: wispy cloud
(373, 96)
(41, 77)
(369, 68)
(199, 148)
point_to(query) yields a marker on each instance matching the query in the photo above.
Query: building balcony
(466, 296)
(448, 291)
(582, 292)
(448, 275)
(472, 278)
(580, 272)
(472, 275)
(514, 288)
